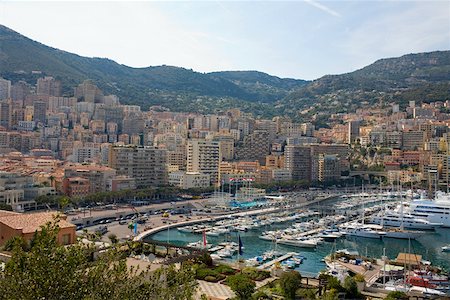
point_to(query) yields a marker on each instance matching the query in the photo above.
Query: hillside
(420, 77)
(20, 55)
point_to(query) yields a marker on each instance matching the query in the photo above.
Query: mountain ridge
(182, 89)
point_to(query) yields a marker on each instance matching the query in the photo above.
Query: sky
(297, 39)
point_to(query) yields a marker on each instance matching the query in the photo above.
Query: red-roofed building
(25, 225)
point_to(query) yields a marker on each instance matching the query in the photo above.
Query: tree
(350, 287)
(289, 283)
(50, 271)
(241, 285)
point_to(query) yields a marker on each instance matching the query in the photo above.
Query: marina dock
(276, 260)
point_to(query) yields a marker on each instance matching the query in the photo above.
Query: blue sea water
(428, 245)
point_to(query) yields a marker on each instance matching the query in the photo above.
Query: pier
(277, 260)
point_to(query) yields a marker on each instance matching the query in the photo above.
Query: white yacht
(307, 243)
(366, 233)
(402, 220)
(434, 211)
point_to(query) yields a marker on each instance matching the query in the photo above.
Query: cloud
(323, 8)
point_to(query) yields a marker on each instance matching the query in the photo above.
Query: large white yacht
(396, 219)
(434, 211)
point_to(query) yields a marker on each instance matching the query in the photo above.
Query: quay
(276, 260)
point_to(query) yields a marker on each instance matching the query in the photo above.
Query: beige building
(188, 180)
(204, 157)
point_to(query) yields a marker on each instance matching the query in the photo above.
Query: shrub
(397, 295)
(255, 274)
(201, 273)
(224, 269)
(216, 278)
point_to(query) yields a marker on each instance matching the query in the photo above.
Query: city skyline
(300, 39)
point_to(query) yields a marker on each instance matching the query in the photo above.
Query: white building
(204, 157)
(187, 180)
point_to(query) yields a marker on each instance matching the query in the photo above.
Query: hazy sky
(300, 39)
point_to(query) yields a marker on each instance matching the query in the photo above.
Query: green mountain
(423, 77)
(420, 77)
(160, 85)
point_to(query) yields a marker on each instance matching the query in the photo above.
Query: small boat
(446, 248)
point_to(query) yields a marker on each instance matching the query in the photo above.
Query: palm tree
(52, 180)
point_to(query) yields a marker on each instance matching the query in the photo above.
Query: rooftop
(29, 223)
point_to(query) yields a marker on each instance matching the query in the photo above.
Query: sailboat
(365, 231)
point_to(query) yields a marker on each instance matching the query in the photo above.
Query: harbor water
(428, 245)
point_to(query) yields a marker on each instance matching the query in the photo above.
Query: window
(66, 239)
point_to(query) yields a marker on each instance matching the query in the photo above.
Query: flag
(204, 239)
(240, 245)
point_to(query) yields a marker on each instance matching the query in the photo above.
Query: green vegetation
(333, 287)
(49, 271)
(255, 274)
(173, 87)
(289, 283)
(422, 77)
(4, 206)
(396, 295)
(213, 274)
(241, 285)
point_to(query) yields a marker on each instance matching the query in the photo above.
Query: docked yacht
(393, 218)
(303, 243)
(365, 232)
(434, 211)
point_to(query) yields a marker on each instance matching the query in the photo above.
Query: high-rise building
(329, 168)
(146, 164)
(88, 92)
(5, 89)
(255, 146)
(353, 131)
(297, 159)
(20, 91)
(226, 146)
(6, 114)
(413, 140)
(204, 157)
(49, 86)
(39, 112)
